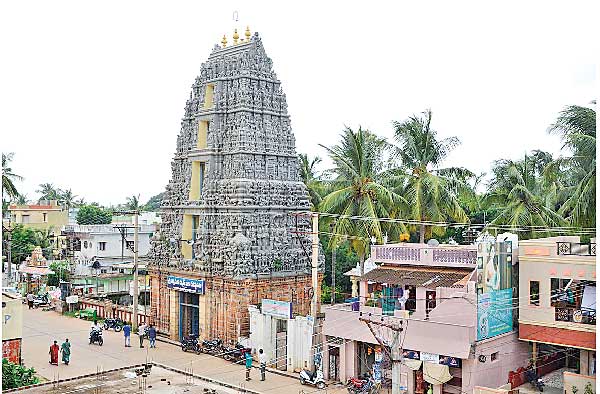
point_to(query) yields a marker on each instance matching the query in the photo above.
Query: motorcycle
(191, 343)
(41, 300)
(115, 323)
(356, 385)
(313, 378)
(237, 353)
(96, 337)
(213, 346)
(533, 378)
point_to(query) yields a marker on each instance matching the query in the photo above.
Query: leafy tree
(22, 199)
(154, 202)
(312, 179)
(61, 270)
(15, 375)
(93, 214)
(9, 177)
(358, 190)
(577, 127)
(432, 193)
(48, 192)
(24, 239)
(520, 192)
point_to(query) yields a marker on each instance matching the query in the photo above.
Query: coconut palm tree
(432, 192)
(9, 177)
(577, 127)
(67, 198)
(358, 190)
(133, 203)
(48, 192)
(521, 192)
(312, 179)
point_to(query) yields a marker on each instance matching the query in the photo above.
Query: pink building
(431, 292)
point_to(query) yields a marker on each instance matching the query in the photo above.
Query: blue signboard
(185, 284)
(494, 313)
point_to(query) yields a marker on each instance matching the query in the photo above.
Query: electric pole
(395, 353)
(135, 269)
(316, 299)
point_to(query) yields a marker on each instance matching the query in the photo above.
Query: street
(41, 328)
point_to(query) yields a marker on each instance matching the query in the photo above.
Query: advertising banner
(185, 284)
(279, 309)
(494, 287)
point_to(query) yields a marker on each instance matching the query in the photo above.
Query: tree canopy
(93, 214)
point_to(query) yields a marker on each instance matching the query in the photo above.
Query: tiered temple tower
(228, 221)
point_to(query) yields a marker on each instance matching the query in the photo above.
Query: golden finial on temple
(236, 36)
(247, 33)
(224, 41)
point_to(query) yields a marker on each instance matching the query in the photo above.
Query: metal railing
(574, 315)
(575, 249)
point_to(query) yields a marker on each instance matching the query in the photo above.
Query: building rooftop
(429, 277)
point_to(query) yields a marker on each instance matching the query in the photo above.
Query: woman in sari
(65, 348)
(54, 354)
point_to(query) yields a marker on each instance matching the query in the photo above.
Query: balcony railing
(577, 249)
(454, 256)
(574, 315)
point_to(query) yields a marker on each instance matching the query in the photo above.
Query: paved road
(41, 328)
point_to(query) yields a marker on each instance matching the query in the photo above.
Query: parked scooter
(313, 378)
(532, 377)
(191, 343)
(115, 323)
(212, 346)
(356, 385)
(96, 337)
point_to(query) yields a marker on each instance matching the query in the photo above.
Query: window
(130, 245)
(494, 356)
(25, 219)
(208, 95)
(45, 217)
(101, 245)
(201, 180)
(534, 292)
(202, 133)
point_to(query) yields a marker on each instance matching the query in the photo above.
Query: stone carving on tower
(250, 189)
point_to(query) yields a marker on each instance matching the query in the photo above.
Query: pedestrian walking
(262, 359)
(127, 334)
(141, 333)
(65, 349)
(152, 335)
(248, 365)
(30, 298)
(54, 353)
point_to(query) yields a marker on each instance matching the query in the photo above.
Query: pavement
(41, 328)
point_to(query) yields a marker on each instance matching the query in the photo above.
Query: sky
(92, 93)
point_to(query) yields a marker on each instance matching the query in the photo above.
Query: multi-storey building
(230, 234)
(454, 305)
(557, 311)
(47, 215)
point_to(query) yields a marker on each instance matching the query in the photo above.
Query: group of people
(262, 359)
(65, 349)
(143, 331)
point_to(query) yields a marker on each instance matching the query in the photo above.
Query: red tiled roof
(33, 206)
(430, 277)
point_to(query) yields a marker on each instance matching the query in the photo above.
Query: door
(281, 345)
(334, 363)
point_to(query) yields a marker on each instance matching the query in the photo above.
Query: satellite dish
(433, 242)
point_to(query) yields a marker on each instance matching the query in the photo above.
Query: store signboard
(412, 354)
(430, 357)
(275, 308)
(186, 284)
(450, 361)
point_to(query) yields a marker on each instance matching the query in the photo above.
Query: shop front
(189, 294)
(422, 371)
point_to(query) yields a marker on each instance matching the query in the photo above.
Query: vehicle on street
(96, 337)
(532, 377)
(115, 323)
(41, 300)
(236, 353)
(313, 378)
(213, 346)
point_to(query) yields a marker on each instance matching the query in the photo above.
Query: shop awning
(412, 364)
(436, 373)
(36, 270)
(430, 277)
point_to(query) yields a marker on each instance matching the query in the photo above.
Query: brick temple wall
(226, 302)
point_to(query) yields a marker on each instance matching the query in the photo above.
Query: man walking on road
(248, 365)
(141, 333)
(152, 335)
(262, 358)
(30, 300)
(127, 334)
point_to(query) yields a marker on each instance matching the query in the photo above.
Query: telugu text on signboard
(186, 284)
(279, 309)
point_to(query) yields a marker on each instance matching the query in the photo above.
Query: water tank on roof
(433, 242)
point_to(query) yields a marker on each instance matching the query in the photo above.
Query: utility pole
(316, 299)
(395, 353)
(9, 254)
(135, 270)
